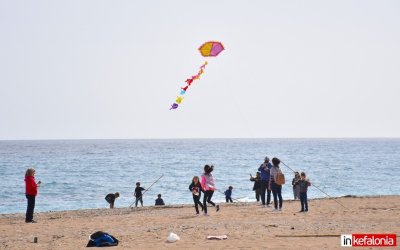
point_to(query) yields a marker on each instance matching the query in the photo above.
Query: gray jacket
(274, 172)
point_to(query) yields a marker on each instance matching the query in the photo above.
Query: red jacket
(30, 185)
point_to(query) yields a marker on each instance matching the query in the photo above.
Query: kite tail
(189, 82)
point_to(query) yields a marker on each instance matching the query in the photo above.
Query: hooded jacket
(265, 171)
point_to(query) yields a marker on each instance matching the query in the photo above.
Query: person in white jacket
(276, 189)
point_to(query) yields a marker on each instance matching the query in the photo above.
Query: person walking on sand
(138, 194)
(110, 198)
(208, 186)
(303, 184)
(195, 188)
(31, 190)
(276, 189)
(257, 185)
(228, 194)
(265, 178)
(296, 188)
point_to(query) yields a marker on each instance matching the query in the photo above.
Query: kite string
(317, 187)
(242, 114)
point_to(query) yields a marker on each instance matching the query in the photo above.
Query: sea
(78, 174)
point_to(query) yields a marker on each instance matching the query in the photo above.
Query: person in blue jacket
(265, 178)
(228, 194)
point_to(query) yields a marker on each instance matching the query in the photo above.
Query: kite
(207, 49)
(211, 49)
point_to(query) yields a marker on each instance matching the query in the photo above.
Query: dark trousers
(264, 189)
(303, 201)
(137, 201)
(228, 199)
(258, 193)
(30, 208)
(196, 200)
(277, 192)
(207, 198)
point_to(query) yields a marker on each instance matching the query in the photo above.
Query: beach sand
(247, 225)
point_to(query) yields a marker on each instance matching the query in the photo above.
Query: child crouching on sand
(303, 183)
(208, 186)
(110, 198)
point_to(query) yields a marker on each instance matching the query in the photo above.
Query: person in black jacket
(138, 194)
(159, 201)
(296, 188)
(257, 185)
(195, 188)
(303, 183)
(110, 198)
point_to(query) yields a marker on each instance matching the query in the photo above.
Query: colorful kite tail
(189, 82)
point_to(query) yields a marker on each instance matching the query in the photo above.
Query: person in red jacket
(31, 188)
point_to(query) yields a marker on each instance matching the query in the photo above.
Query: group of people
(138, 194)
(205, 185)
(268, 179)
(265, 182)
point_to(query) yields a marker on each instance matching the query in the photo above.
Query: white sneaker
(280, 209)
(275, 210)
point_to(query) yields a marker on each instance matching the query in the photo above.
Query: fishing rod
(317, 187)
(147, 190)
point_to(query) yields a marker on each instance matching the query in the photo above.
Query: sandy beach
(247, 225)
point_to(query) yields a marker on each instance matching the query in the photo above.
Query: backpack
(102, 239)
(280, 178)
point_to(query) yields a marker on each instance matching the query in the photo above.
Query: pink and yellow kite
(207, 49)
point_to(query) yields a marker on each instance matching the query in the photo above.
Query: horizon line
(197, 138)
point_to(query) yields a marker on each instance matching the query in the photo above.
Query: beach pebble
(172, 237)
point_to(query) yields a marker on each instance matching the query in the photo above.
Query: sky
(99, 69)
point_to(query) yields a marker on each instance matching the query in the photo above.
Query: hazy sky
(111, 69)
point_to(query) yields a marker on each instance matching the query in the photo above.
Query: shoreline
(246, 225)
(190, 205)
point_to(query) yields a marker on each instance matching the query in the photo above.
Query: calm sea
(79, 173)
